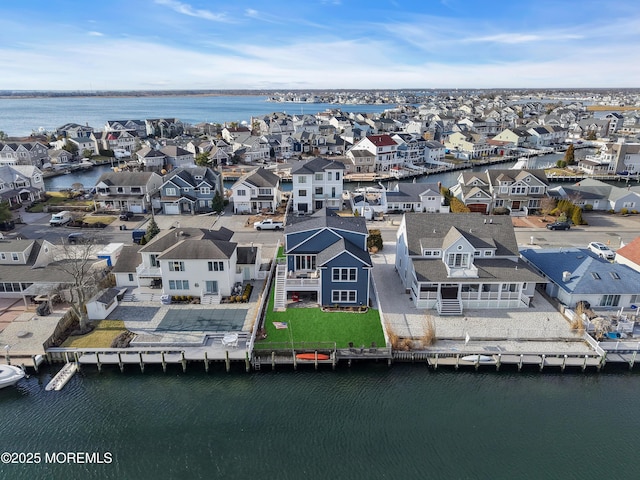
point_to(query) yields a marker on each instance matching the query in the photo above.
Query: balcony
(303, 280)
(143, 271)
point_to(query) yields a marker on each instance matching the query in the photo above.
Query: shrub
(588, 207)
(624, 211)
(500, 211)
(458, 207)
(634, 212)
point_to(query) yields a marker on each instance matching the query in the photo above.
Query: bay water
(364, 422)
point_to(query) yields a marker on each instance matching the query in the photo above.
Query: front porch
(453, 299)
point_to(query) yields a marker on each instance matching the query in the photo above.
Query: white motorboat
(478, 359)
(10, 375)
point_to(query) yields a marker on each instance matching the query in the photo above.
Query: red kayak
(312, 356)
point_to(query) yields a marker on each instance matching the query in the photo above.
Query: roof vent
(566, 276)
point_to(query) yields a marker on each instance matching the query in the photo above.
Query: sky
(288, 45)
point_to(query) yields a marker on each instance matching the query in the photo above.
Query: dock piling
(227, 361)
(164, 363)
(206, 362)
(247, 363)
(141, 362)
(120, 364)
(542, 361)
(498, 362)
(184, 362)
(98, 364)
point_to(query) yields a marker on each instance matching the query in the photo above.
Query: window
(344, 274)
(337, 176)
(610, 300)
(509, 287)
(458, 260)
(302, 179)
(305, 262)
(302, 193)
(216, 266)
(3, 256)
(319, 177)
(534, 190)
(242, 192)
(264, 191)
(170, 192)
(14, 257)
(318, 190)
(488, 253)
(176, 266)
(178, 284)
(343, 296)
(120, 190)
(329, 176)
(205, 190)
(131, 277)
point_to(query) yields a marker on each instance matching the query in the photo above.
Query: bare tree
(81, 273)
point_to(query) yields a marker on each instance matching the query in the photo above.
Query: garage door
(172, 209)
(477, 207)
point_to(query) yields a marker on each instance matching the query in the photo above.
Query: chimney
(566, 276)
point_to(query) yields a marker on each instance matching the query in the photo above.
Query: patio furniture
(230, 340)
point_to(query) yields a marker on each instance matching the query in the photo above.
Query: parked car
(602, 250)
(8, 225)
(559, 226)
(75, 237)
(126, 215)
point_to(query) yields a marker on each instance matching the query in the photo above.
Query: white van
(61, 218)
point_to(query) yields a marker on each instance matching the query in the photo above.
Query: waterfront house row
(195, 262)
(452, 262)
(326, 258)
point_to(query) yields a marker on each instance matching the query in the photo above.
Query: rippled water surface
(365, 422)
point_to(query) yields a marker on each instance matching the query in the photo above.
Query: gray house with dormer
(190, 190)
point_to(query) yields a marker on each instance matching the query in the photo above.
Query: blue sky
(317, 44)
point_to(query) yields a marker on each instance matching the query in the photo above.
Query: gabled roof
(631, 251)
(325, 218)
(590, 275)
(381, 140)
(165, 240)
(315, 165)
(133, 179)
(340, 246)
(128, 259)
(195, 249)
(260, 178)
(430, 230)
(508, 175)
(188, 174)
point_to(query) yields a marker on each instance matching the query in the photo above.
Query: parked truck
(61, 218)
(268, 224)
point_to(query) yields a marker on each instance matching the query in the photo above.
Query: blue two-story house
(189, 190)
(326, 259)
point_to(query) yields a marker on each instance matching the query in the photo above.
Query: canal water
(364, 422)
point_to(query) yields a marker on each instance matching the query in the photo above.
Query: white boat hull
(10, 375)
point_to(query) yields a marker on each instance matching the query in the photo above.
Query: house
(137, 127)
(151, 159)
(130, 191)
(192, 262)
(255, 192)
(383, 147)
(164, 127)
(468, 145)
(124, 269)
(190, 190)
(629, 254)
(317, 184)
(178, 157)
(117, 140)
(24, 153)
(521, 191)
(416, 197)
(73, 130)
(20, 184)
(600, 195)
(327, 258)
(450, 262)
(28, 269)
(577, 274)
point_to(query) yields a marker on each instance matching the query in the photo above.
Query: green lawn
(314, 325)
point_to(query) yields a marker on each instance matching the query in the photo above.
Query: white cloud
(96, 34)
(186, 9)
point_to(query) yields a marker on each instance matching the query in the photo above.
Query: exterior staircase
(280, 292)
(449, 306)
(210, 299)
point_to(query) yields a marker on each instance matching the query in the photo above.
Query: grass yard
(314, 325)
(102, 336)
(92, 219)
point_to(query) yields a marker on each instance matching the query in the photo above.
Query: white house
(450, 262)
(256, 192)
(317, 184)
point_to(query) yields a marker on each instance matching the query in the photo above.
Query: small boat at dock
(10, 375)
(312, 356)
